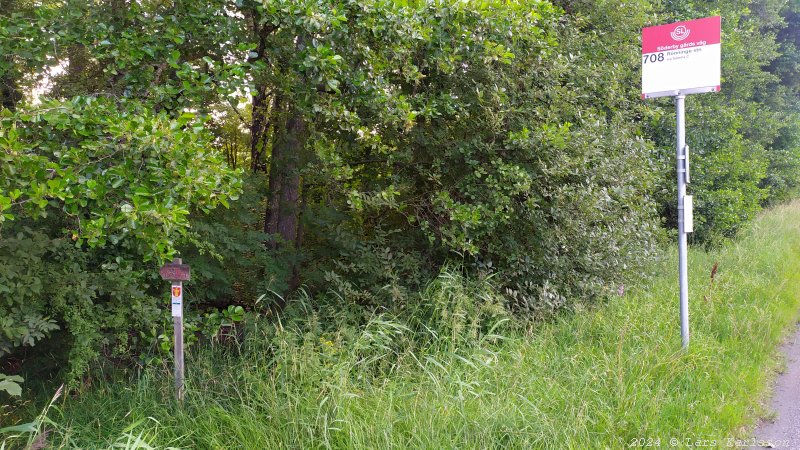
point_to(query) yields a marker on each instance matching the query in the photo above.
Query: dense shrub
(94, 194)
(102, 302)
(510, 161)
(226, 253)
(387, 140)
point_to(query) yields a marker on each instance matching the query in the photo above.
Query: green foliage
(787, 65)
(185, 54)
(31, 434)
(212, 326)
(376, 271)
(457, 311)
(226, 251)
(93, 187)
(108, 308)
(116, 171)
(91, 190)
(457, 129)
(24, 47)
(504, 138)
(24, 318)
(10, 384)
(99, 302)
(600, 379)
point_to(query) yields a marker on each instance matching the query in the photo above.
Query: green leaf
(29, 427)
(10, 384)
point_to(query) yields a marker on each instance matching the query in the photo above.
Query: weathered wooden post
(177, 273)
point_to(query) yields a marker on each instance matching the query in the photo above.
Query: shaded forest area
(348, 152)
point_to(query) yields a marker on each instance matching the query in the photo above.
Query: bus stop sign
(681, 58)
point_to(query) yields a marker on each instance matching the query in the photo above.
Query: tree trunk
(272, 212)
(264, 102)
(9, 91)
(283, 211)
(259, 130)
(294, 281)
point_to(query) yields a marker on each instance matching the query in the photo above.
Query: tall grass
(599, 378)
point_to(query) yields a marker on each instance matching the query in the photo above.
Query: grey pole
(683, 272)
(177, 326)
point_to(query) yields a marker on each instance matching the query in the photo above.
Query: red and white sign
(177, 299)
(681, 58)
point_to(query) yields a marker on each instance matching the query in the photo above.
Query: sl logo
(176, 291)
(680, 33)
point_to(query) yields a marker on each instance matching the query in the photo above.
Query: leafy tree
(98, 175)
(384, 139)
(94, 186)
(23, 47)
(115, 172)
(443, 130)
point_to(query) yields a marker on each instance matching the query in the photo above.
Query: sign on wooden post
(177, 273)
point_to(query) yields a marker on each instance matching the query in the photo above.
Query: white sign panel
(681, 58)
(177, 299)
(688, 214)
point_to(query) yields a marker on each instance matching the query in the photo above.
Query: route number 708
(653, 57)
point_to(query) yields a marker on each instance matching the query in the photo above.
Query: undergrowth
(463, 374)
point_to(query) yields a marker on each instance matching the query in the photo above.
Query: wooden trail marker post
(679, 59)
(177, 273)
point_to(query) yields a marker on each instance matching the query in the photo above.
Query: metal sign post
(679, 59)
(177, 273)
(683, 265)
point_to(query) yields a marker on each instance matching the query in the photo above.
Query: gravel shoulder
(782, 429)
